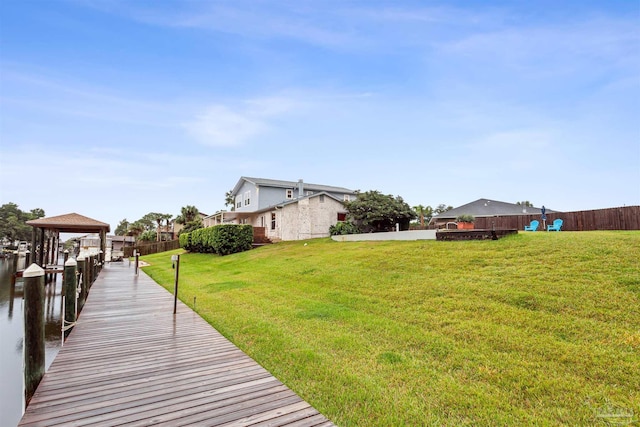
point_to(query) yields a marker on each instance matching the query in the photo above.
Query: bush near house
(342, 228)
(222, 239)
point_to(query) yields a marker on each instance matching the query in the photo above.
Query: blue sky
(129, 107)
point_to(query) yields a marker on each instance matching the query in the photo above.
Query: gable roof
(488, 207)
(72, 222)
(263, 182)
(290, 202)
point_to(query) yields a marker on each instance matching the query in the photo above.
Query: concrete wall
(399, 235)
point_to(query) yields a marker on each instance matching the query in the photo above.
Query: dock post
(82, 267)
(92, 271)
(137, 255)
(34, 356)
(96, 268)
(176, 260)
(70, 286)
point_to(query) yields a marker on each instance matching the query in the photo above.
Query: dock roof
(70, 223)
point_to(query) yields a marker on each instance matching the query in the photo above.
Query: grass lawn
(533, 329)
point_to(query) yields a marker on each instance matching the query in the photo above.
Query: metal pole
(34, 356)
(176, 259)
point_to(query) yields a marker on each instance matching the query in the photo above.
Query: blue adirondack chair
(533, 226)
(556, 226)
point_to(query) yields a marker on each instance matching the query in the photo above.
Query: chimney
(300, 188)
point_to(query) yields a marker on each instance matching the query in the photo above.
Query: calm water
(11, 334)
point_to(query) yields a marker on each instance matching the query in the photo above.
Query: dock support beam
(84, 280)
(70, 292)
(34, 354)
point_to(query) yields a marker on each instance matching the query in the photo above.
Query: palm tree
(424, 212)
(420, 210)
(187, 214)
(159, 219)
(135, 229)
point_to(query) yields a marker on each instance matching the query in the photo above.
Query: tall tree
(229, 200)
(13, 222)
(374, 211)
(187, 214)
(159, 219)
(442, 208)
(122, 227)
(526, 204)
(424, 213)
(135, 229)
(190, 218)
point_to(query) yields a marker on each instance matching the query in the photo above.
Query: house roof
(239, 215)
(70, 223)
(290, 202)
(488, 207)
(263, 182)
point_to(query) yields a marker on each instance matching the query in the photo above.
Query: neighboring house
(120, 242)
(287, 210)
(484, 208)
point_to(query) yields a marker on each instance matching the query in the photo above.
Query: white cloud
(222, 126)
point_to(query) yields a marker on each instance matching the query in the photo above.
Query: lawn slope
(533, 329)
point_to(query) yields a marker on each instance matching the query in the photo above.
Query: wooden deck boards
(130, 362)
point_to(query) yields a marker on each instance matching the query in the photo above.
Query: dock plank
(130, 361)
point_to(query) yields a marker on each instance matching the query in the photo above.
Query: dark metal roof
(70, 223)
(488, 207)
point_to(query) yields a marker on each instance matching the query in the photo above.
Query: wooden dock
(130, 361)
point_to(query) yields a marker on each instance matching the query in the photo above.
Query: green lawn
(534, 329)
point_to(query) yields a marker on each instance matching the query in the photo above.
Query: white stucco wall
(397, 235)
(308, 218)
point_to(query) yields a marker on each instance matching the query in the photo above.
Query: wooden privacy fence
(624, 218)
(153, 248)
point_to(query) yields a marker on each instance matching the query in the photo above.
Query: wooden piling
(70, 286)
(34, 353)
(82, 267)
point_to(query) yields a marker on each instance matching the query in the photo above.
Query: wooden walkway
(130, 362)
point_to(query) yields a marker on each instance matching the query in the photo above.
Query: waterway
(12, 336)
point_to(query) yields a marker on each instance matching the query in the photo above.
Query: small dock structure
(130, 361)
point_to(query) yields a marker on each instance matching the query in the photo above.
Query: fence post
(34, 356)
(70, 292)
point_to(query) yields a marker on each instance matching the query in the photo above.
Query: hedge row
(222, 239)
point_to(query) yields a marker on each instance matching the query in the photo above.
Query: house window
(347, 198)
(342, 216)
(247, 198)
(321, 198)
(273, 221)
(238, 202)
(289, 194)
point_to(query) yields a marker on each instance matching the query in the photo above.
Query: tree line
(155, 226)
(13, 223)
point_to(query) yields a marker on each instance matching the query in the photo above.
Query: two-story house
(286, 210)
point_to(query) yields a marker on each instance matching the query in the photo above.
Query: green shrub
(343, 228)
(231, 238)
(222, 239)
(185, 241)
